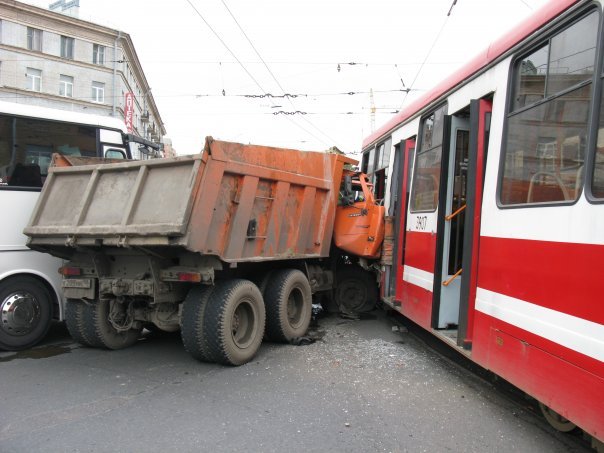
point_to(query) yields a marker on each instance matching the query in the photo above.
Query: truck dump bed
(237, 202)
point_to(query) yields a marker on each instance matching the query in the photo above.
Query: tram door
(403, 167)
(480, 122)
(460, 204)
(452, 205)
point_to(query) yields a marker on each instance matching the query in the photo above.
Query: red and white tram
(495, 181)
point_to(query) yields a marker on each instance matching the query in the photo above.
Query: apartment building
(55, 60)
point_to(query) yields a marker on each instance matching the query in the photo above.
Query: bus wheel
(25, 312)
(234, 321)
(74, 313)
(194, 337)
(108, 324)
(556, 420)
(356, 290)
(288, 301)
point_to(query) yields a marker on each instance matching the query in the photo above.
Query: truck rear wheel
(74, 312)
(356, 290)
(234, 322)
(194, 337)
(99, 329)
(288, 301)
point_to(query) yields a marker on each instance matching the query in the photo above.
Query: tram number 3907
(421, 222)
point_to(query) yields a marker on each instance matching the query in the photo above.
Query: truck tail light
(194, 277)
(70, 271)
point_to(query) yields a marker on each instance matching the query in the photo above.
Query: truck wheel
(288, 301)
(99, 330)
(234, 322)
(74, 311)
(356, 290)
(194, 337)
(25, 312)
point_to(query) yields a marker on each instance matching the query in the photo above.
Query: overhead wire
(442, 27)
(241, 63)
(527, 5)
(273, 75)
(226, 46)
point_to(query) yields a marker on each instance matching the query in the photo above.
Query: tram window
(530, 78)
(572, 55)
(545, 151)
(426, 181)
(371, 161)
(365, 162)
(545, 144)
(384, 154)
(426, 177)
(597, 187)
(597, 177)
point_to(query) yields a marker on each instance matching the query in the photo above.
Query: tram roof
(496, 49)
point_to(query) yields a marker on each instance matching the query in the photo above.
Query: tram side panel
(539, 318)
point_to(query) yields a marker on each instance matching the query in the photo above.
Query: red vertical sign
(129, 110)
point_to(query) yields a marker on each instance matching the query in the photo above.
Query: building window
(98, 54)
(34, 79)
(66, 86)
(67, 47)
(34, 39)
(98, 92)
(547, 126)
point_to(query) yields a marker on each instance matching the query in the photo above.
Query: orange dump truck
(229, 245)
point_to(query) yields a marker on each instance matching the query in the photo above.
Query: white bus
(30, 294)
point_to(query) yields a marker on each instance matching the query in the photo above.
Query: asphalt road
(360, 388)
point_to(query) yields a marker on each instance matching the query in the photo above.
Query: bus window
(109, 136)
(547, 128)
(114, 153)
(27, 145)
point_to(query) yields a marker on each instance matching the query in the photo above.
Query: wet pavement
(361, 387)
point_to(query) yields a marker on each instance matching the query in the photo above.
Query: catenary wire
(271, 72)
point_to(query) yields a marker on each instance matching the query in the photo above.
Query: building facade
(59, 61)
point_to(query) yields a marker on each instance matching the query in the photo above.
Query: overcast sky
(306, 47)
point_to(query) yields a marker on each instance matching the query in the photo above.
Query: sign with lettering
(129, 111)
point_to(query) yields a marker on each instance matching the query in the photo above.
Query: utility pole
(372, 109)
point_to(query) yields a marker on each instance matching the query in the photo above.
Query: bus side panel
(573, 392)
(15, 257)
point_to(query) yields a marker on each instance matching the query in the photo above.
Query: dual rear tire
(223, 323)
(226, 323)
(288, 300)
(90, 325)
